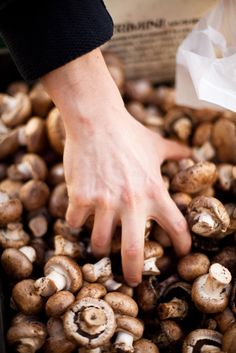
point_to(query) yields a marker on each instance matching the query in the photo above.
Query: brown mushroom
(168, 334)
(194, 178)
(201, 339)
(58, 202)
(61, 272)
(210, 292)
(26, 334)
(192, 266)
(16, 87)
(144, 345)
(139, 90)
(13, 236)
(207, 216)
(152, 252)
(58, 303)
(38, 222)
(11, 187)
(89, 322)
(163, 97)
(26, 299)
(10, 209)
(64, 246)
(8, 142)
(56, 174)
(137, 110)
(229, 339)
(224, 140)
(202, 134)
(122, 304)
(57, 342)
(129, 329)
(204, 153)
(92, 290)
(33, 135)
(225, 319)
(56, 130)
(14, 110)
(174, 309)
(31, 166)
(40, 100)
(34, 194)
(179, 123)
(61, 227)
(227, 258)
(18, 263)
(182, 200)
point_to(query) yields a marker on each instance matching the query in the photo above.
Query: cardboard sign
(148, 33)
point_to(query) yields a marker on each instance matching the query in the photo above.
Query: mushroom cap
(226, 257)
(56, 130)
(10, 209)
(33, 135)
(192, 266)
(31, 166)
(202, 133)
(122, 304)
(144, 345)
(13, 236)
(229, 339)
(214, 300)
(224, 140)
(25, 298)
(91, 275)
(56, 174)
(40, 100)
(197, 339)
(207, 216)
(169, 334)
(130, 325)
(182, 200)
(15, 110)
(16, 264)
(152, 249)
(28, 328)
(58, 202)
(34, 194)
(75, 326)
(11, 187)
(8, 143)
(92, 290)
(147, 295)
(68, 268)
(17, 86)
(177, 116)
(139, 90)
(195, 178)
(58, 303)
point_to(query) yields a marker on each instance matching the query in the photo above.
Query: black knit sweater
(43, 35)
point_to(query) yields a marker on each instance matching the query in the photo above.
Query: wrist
(83, 89)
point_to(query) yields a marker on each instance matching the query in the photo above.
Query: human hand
(112, 169)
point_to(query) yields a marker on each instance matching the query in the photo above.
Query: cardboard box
(148, 33)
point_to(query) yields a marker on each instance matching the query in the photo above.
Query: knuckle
(104, 201)
(130, 198)
(132, 252)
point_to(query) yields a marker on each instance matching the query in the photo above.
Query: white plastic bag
(206, 60)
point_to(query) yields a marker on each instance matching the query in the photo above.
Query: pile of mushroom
(61, 299)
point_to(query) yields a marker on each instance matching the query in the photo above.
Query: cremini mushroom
(202, 134)
(38, 222)
(179, 123)
(129, 329)
(16, 87)
(202, 340)
(89, 322)
(139, 90)
(144, 345)
(226, 175)
(101, 271)
(10, 208)
(31, 166)
(58, 303)
(8, 142)
(56, 174)
(34, 194)
(174, 309)
(26, 299)
(11, 187)
(18, 263)
(56, 131)
(168, 335)
(122, 304)
(226, 257)
(182, 200)
(146, 294)
(192, 266)
(40, 100)
(61, 272)
(152, 252)
(58, 202)
(33, 135)
(13, 236)
(137, 110)
(26, 334)
(229, 339)
(224, 319)
(210, 292)
(64, 246)
(14, 110)
(224, 140)
(195, 178)
(204, 153)
(92, 290)
(57, 342)
(207, 216)
(61, 227)
(163, 97)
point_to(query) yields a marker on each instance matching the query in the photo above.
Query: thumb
(175, 150)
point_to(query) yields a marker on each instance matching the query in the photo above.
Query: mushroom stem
(93, 317)
(27, 345)
(111, 284)
(29, 252)
(217, 279)
(150, 267)
(58, 279)
(100, 266)
(124, 342)
(176, 308)
(90, 350)
(50, 284)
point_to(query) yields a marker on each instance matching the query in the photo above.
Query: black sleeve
(43, 35)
